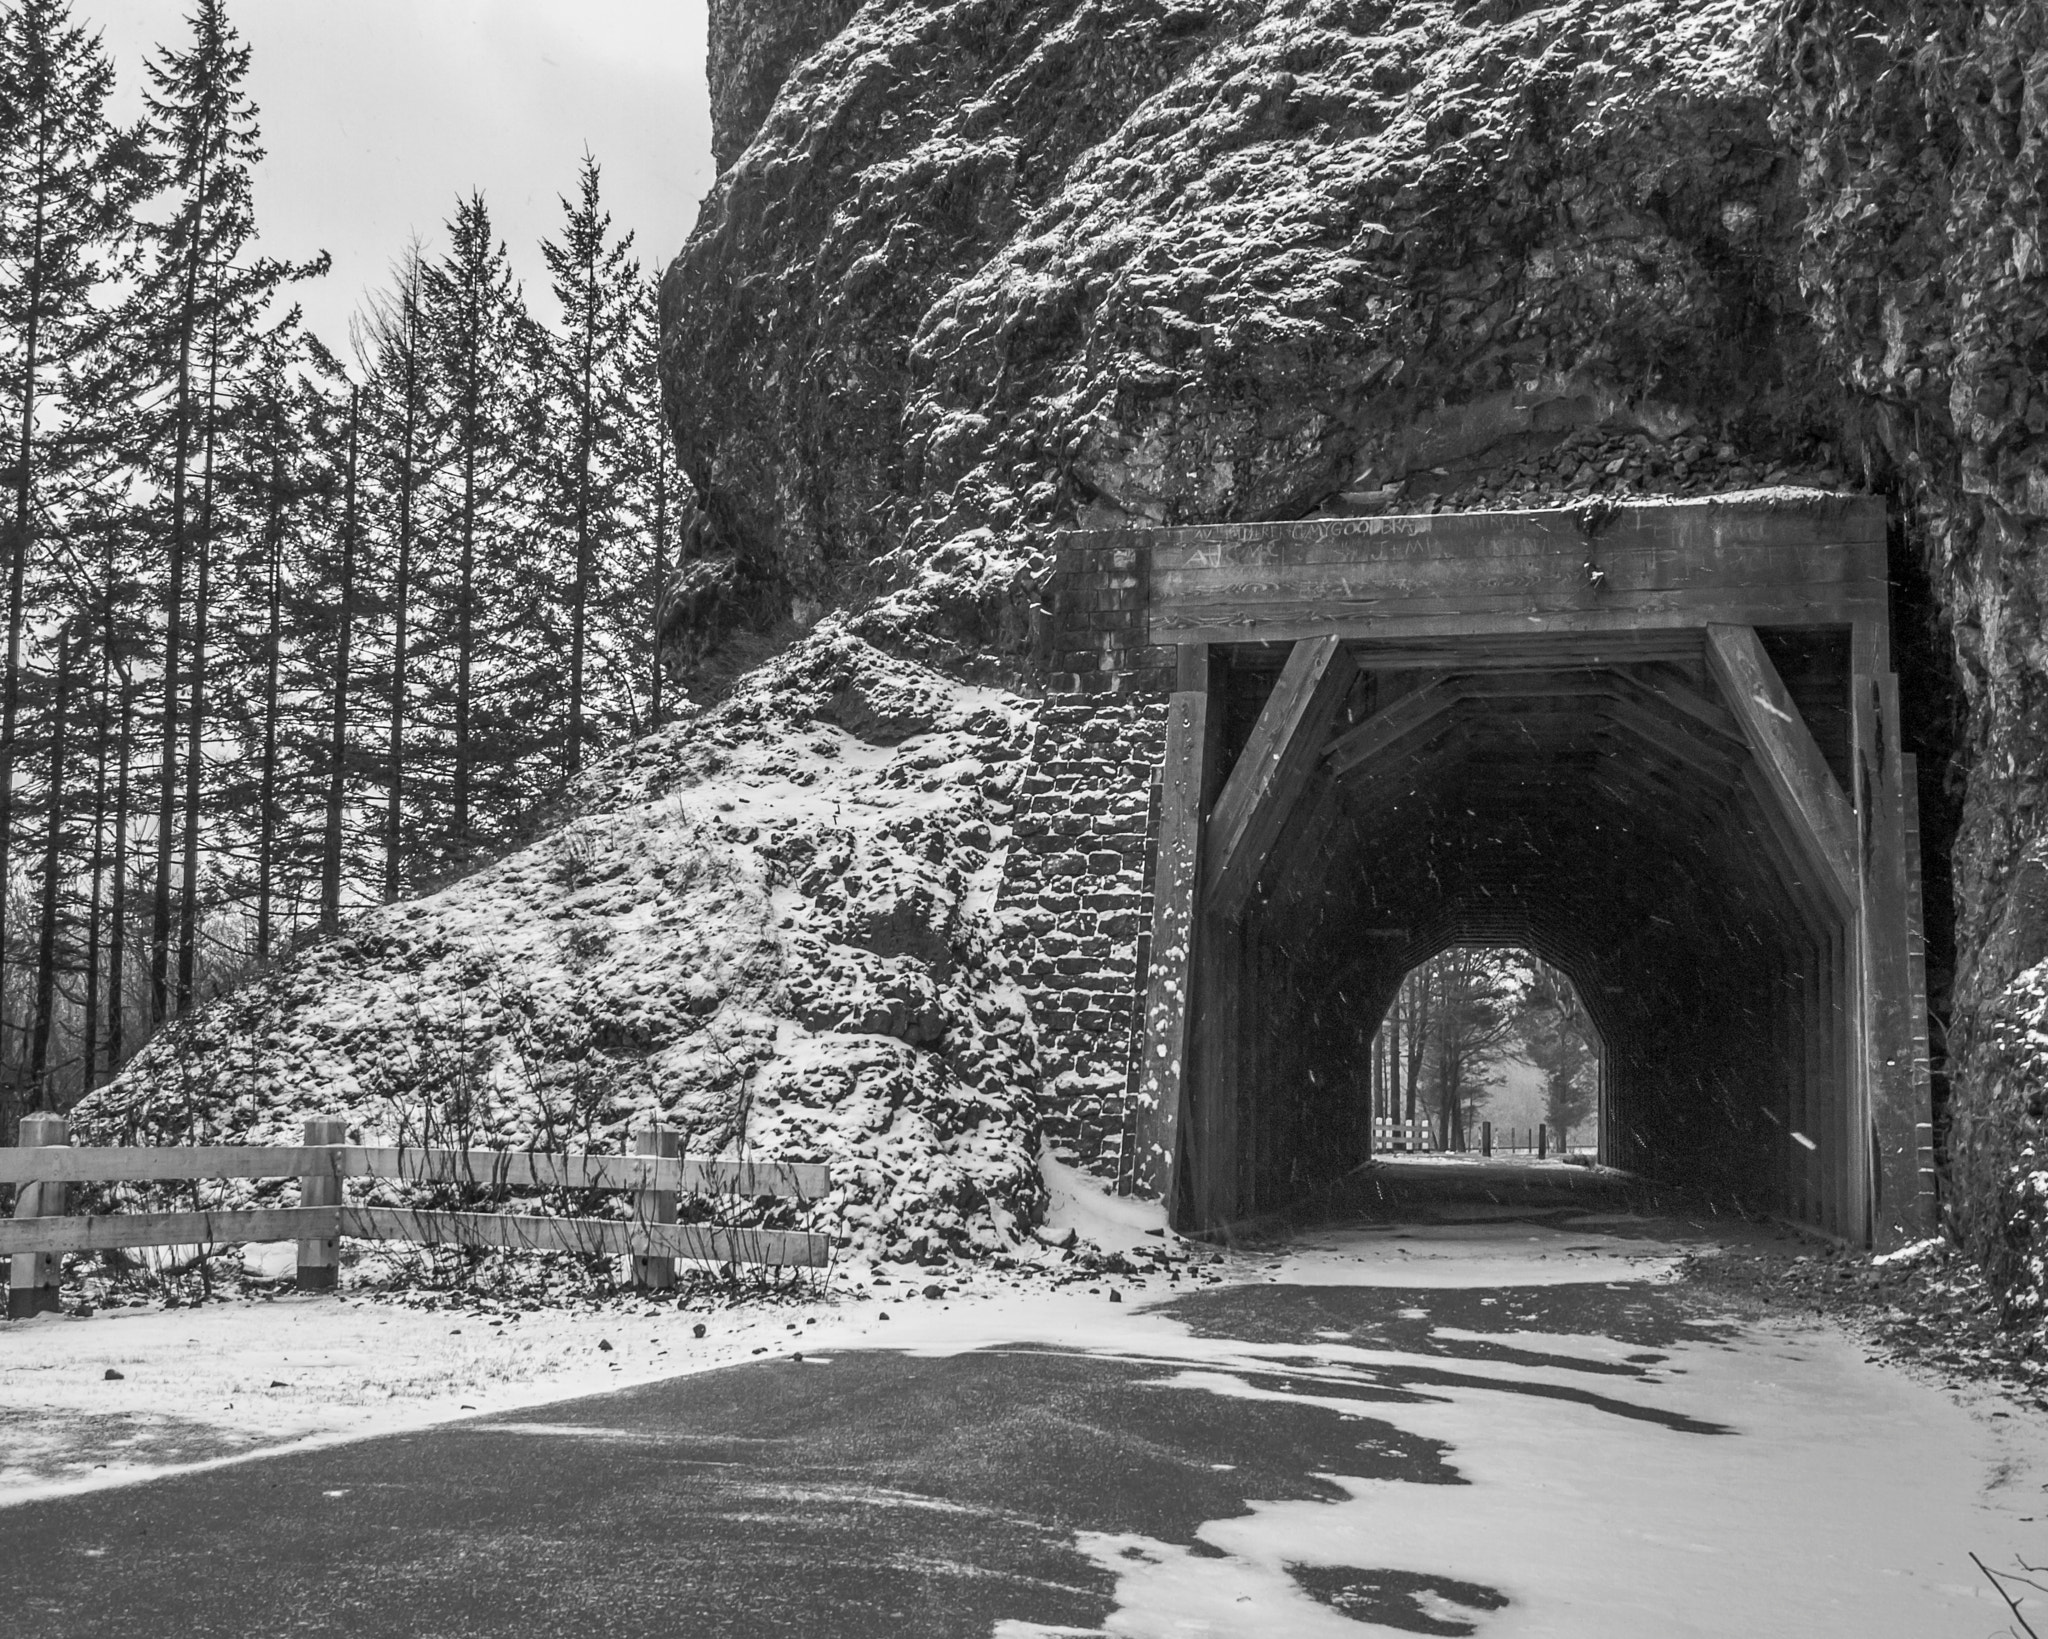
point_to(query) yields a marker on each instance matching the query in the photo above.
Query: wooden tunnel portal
(1657, 744)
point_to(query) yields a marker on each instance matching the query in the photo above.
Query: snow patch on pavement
(1847, 1502)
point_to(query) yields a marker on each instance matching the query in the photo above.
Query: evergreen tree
(278, 619)
(400, 461)
(52, 887)
(187, 330)
(481, 341)
(661, 500)
(250, 556)
(1557, 1037)
(66, 183)
(1471, 1029)
(589, 371)
(337, 746)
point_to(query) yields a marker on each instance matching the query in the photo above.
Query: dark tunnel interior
(1602, 811)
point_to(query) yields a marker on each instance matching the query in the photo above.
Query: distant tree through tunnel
(1457, 1022)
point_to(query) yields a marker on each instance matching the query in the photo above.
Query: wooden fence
(1402, 1135)
(43, 1166)
(1413, 1135)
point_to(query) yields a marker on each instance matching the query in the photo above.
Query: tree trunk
(401, 593)
(654, 699)
(1418, 1036)
(117, 940)
(195, 724)
(89, 1031)
(174, 635)
(579, 596)
(20, 535)
(266, 844)
(46, 941)
(464, 624)
(337, 750)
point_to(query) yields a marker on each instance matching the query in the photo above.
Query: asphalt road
(875, 1494)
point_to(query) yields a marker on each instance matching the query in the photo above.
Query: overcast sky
(377, 113)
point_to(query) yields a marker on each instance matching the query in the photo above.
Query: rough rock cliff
(985, 269)
(990, 267)
(1922, 136)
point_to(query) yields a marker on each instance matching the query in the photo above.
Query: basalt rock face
(991, 267)
(1922, 131)
(753, 48)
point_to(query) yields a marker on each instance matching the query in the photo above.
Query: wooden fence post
(33, 1278)
(1543, 1141)
(1486, 1138)
(320, 1258)
(655, 1206)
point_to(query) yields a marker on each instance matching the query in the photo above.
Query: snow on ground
(769, 924)
(1846, 1500)
(227, 1381)
(1075, 1201)
(1508, 1253)
(1762, 1479)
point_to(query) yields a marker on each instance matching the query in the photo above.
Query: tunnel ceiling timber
(1659, 750)
(1607, 819)
(1612, 820)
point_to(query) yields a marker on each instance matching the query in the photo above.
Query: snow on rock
(1998, 1149)
(769, 923)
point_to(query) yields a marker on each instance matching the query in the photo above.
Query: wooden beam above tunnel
(1607, 578)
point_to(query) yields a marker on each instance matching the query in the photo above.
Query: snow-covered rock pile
(769, 924)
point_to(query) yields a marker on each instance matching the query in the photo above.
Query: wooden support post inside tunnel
(1927, 1205)
(1898, 1098)
(1792, 764)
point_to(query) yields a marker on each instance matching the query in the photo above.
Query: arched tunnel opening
(1483, 1037)
(1661, 753)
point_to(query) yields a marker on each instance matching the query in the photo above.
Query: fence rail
(506, 1169)
(44, 1166)
(1409, 1135)
(1415, 1135)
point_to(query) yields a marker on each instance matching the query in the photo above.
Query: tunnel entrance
(1486, 1048)
(1656, 745)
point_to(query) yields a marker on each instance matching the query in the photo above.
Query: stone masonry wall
(1077, 892)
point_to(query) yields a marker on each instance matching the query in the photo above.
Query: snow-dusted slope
(769, 923)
